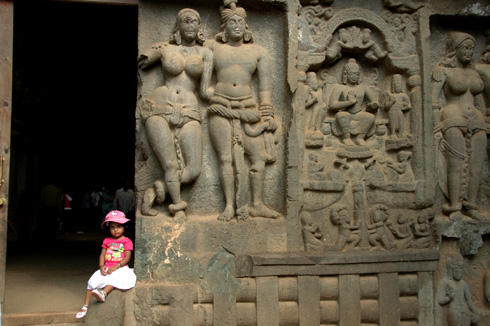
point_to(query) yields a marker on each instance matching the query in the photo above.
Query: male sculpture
(238, 126)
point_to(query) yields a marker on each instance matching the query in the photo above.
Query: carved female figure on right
(455, 84)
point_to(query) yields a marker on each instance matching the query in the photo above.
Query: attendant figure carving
(316, 105)
(397, 104)
(352, 118)
(422, 231)
(403, 231)
(312, 234)
(379, 232)
(348, 233)
(238, 125)
(454, 293)
(374, 51)
(455, 83)
(171, 113)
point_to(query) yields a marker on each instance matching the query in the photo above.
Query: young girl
(113, 272)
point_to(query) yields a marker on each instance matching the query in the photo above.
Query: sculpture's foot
(227, 214)
(317, 135)
(260, 210)
(475, 214)
(361, 142)
(456, 216)
(147, 203)
(348, 142)
(472, 211)
(446, 209)
(180, 206)
(148, 211)
(159, 191)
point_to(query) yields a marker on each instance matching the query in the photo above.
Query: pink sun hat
(115, 216)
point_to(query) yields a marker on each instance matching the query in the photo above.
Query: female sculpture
(461, 123)
(171, 113)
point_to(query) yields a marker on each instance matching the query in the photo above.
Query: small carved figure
(401, 171)
(310, 24)
(403, 231)
(315, 101)
(237, 124)
(379, 227)
(315, 167)
(312, 235)
(397, 103)
(462, 125)
(422, 231)
(348, 101)
(334, 51)
(348, 234)
(454, 293)
(375, 168)
(374, 51)
(171, 114)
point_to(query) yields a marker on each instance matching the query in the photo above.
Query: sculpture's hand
(267, 112)
(142, 61)
(373, 106)
(352, 98)
(449, 291)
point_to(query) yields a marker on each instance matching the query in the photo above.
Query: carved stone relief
(460, 126)
(171, 114)
(318, 147)
(361, 153)
(454, 296)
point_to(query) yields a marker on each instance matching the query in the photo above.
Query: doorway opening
(73, 124)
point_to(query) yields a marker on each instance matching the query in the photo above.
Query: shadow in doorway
(73, 120)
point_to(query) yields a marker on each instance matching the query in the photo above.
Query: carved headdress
(226, 12)
(453, 41)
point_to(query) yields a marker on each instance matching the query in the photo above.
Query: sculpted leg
(191, 145)
(456, 141)
(147, 204)
(161, 138)
(478, 153)
(343, 121)
(366, 122)
(220, 134)
(254, 147)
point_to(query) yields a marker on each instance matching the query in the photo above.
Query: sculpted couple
(238, 124)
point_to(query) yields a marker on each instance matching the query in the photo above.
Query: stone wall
(334, 171)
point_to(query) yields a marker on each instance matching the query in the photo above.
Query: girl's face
(117, 230)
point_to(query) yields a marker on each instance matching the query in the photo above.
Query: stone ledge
(41, 318)
(293, 264)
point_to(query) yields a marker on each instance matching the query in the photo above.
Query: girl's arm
(127, 258)
(102, 262)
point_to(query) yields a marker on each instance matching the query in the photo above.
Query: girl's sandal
(82, 313)
(99, 295)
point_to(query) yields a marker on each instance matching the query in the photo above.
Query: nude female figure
(171, 114)
(463, 127)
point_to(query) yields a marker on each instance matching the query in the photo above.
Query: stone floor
(45, 284)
